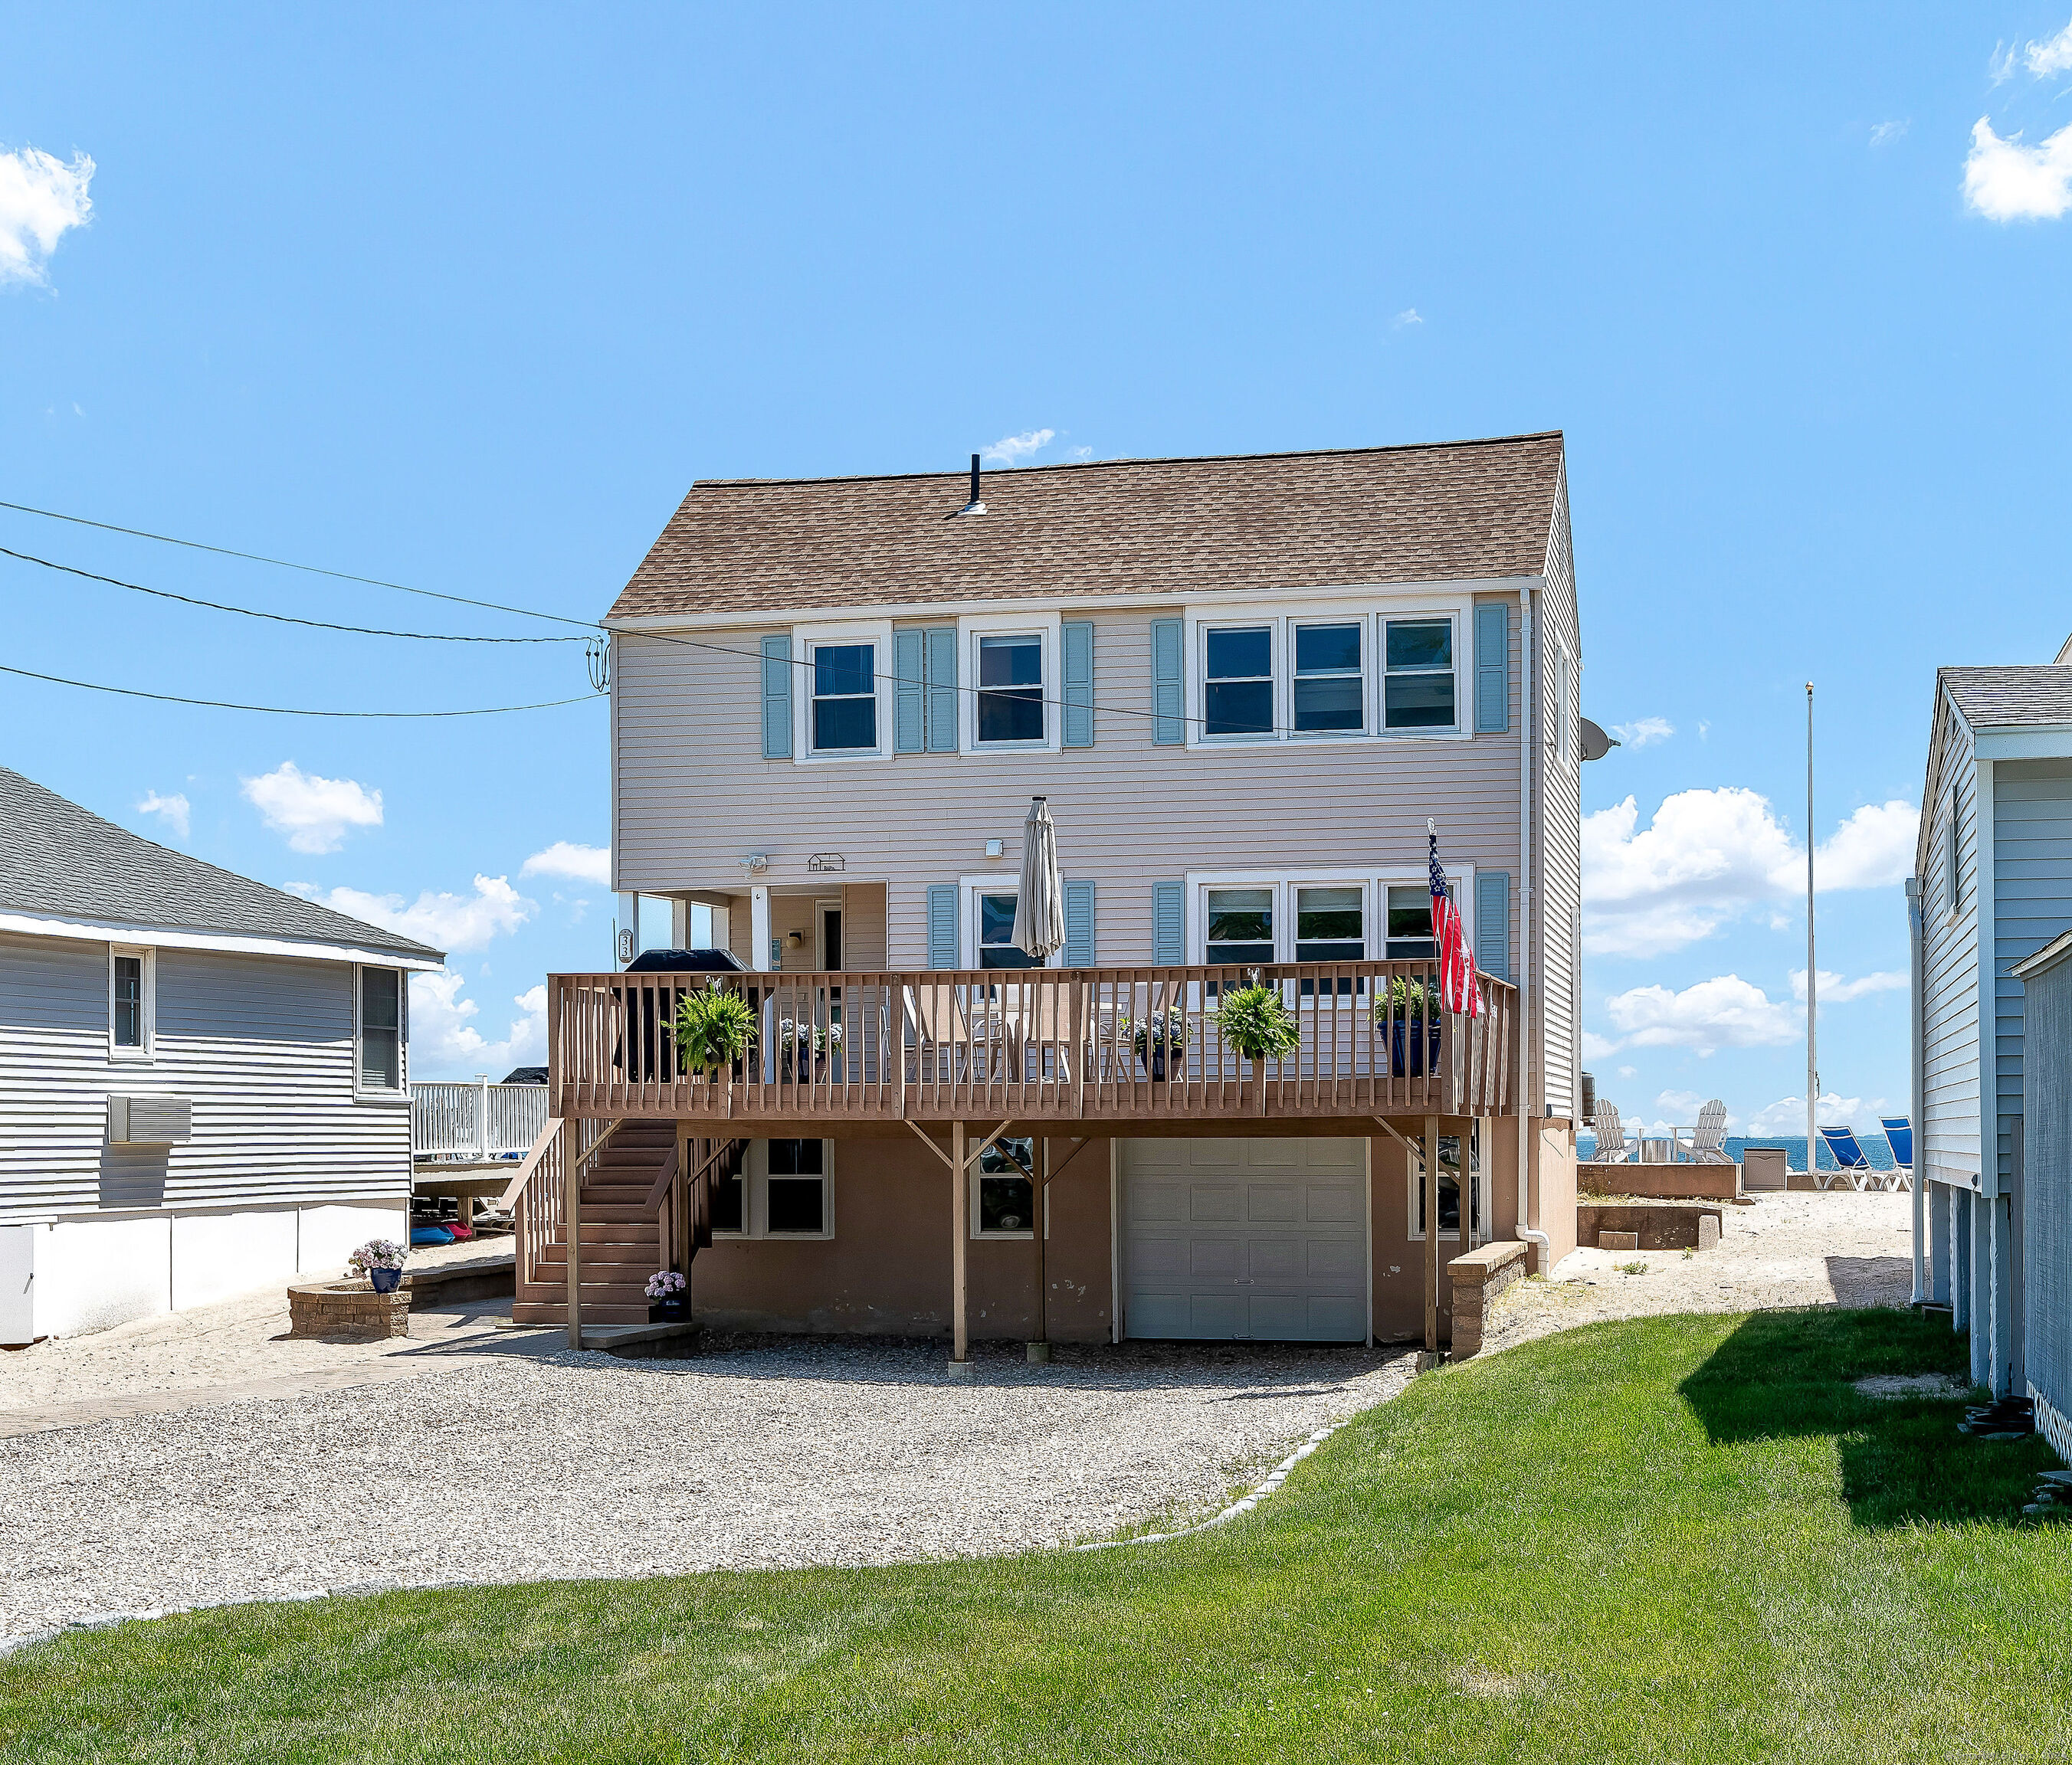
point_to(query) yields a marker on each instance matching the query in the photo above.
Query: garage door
(1245, 1240)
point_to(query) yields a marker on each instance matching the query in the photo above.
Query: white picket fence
(476, 1120)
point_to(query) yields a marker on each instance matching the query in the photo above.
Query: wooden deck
(1034, 1045)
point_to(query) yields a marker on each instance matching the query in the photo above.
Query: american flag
(1457, 963)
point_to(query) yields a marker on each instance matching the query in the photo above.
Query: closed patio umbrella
(1039, 909)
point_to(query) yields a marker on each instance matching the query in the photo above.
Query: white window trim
(804, 639)
(367, 1093)
(1374, 883)
(1564, 742)
(1953, 862)
(1026, 1234)
(755, 1197)
(147, 1003)
(1281, 618)
(1046, 626)
(970, 888)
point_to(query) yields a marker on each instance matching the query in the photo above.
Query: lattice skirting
(2052, 1424)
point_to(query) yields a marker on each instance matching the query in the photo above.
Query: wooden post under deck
(1039, 1196)
(572, 1211)
(960, 1239)
(1431, 1234)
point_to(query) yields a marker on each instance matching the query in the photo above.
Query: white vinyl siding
(263, 1047)
(2032, 904)
(1949, 1140)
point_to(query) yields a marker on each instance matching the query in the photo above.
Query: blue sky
(465, 299)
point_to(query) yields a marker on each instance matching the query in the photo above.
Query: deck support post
(572, 1211)
(959, 1245)
(1430, 1234)
(1039, 1198)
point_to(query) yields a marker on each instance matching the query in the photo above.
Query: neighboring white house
(204, 1081)
(1992, 886)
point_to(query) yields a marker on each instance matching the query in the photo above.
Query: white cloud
(1836, 991)
(314, 813)
(2006, 180)
(1708, 856)
(1787, 1115)
(42, 198)
(1596, 1047)
(1726, 1011)
(1080, 454)
(2049, 55)
(173, 810)
(1408, 316)
(1681, 1107)
(444, 1043)
(1644, 732)
(1884, 134)
(1013, 449)
(1627, 1072)
(445, 921)
(579, 864)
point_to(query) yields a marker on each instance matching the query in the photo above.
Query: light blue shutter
(942, 925)
(909, 729)
(1492, 669)
(1493, 922)
(1079, 922)
(1169, 685)
(777, 698)
(1168, 924)
(1077, 638)
(941, 675)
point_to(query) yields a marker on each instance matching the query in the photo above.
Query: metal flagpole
(1812, 974)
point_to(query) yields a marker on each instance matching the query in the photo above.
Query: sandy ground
(1838, 1249)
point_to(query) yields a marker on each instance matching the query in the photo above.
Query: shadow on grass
(1783, 1375)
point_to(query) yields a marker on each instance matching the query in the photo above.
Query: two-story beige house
(1245, 685)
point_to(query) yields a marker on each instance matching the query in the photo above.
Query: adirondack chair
(1899, 1136)
(1852, 1165)
(1611, 1135)
(1708, 1142)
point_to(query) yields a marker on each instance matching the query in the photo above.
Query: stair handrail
(536, 1196)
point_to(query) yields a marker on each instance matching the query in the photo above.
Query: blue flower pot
(1408, 1054)
(669, 1310)
(385, 1280)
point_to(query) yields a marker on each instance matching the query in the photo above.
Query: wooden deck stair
(621, 1239)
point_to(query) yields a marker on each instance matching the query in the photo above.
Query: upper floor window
(845, 707)
(132, 1007)
(1410, 938)
(1418, 688)
(1330, 924)
(1330, 687)
(380, 1065)
(1237, 680)
(996, 947)
(1240, 925)
(1010, 688)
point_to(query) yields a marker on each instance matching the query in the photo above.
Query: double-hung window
(1417, 678)
(1330, 924)
(778, 1190)
(1005, 1203)
(996, 947)
(843, 714)
(131, 1007)
(1237, 680)
(1240, 925)
(380, 1063)
(1010, 688)
(1410, 934)
(1330, 685)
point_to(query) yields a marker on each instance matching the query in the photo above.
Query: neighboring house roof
(60, 861)
(2010, 697)
(1438, 512)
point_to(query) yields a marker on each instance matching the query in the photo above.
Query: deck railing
(1073, 1044)
(474, 1120)
(537, 1194)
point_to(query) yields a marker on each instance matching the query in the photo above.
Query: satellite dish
(1595, 743)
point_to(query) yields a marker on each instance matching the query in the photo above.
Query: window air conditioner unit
(150, 1121)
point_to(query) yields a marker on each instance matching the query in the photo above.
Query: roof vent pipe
(974, 506)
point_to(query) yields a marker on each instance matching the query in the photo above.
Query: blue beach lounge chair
(1899, 1136)
(1852, 1163)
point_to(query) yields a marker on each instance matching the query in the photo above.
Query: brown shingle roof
(2011, 696)
(1435, 512)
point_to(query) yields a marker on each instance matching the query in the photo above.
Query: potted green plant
(1410, 1011)
(1255, 1022)
(380, 1260)
(1158, 1038)
(714, 1028)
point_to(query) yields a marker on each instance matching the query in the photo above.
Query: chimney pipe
(974, 506)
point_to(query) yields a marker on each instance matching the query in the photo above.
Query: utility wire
(288, 711)
(280, 618)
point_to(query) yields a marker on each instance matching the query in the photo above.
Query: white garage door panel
(1245, 1240)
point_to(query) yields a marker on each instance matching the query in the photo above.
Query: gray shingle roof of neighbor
(1998, 698)
(1443, 512)
(58, 858)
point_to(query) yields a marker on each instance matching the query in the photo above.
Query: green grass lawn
(1673, 1539)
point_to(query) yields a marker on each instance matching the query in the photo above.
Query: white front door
(1245, 1240)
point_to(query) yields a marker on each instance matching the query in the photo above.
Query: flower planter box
(349, 1308)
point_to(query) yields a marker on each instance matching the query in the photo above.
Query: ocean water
(1876, 1148)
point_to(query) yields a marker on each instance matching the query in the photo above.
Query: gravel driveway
(513, 1459)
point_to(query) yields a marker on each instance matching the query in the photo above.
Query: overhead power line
(279, 618)
(289, 711)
